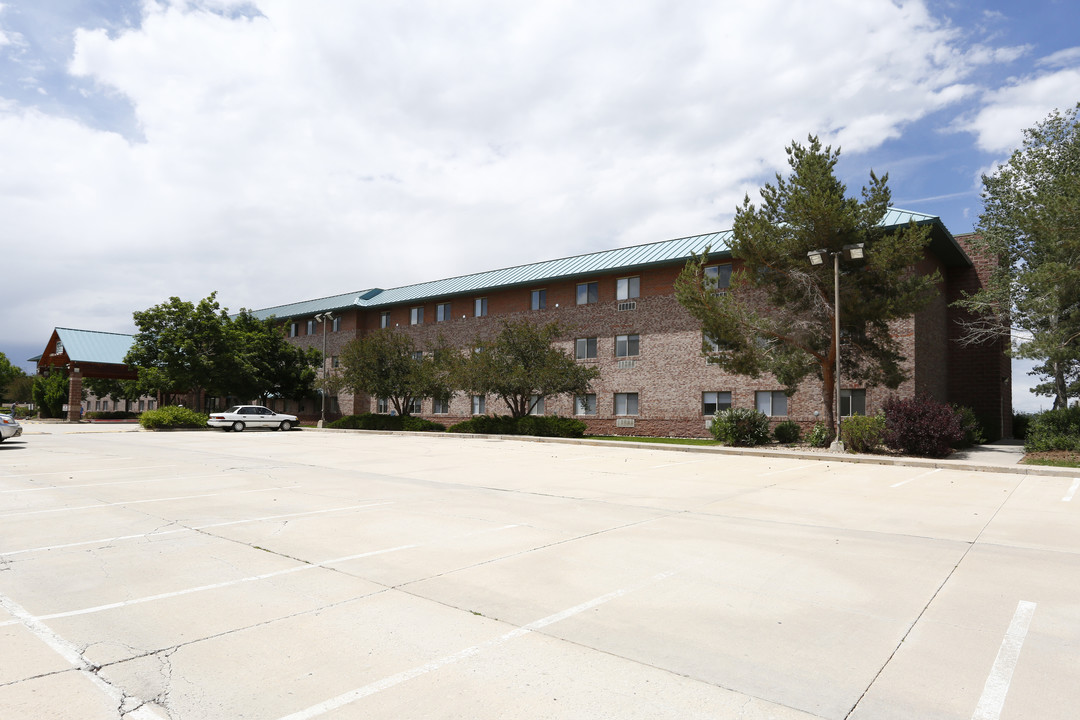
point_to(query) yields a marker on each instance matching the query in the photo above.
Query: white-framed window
(585, 404)
(382, 406)
(771, 402)
(627, 288)
(480, 307)
(626, 403)
(538, 300)
(150, 404)
(336, 325)
(627, 345)
(334, 361)
(536, 405)
(852, 402)
(588, 293)
(718, 276)
(294, 329)
(416, 316)
(478, 405)
(142, 405)
(384, 319)
(440, 405)
(709, 343)
(311, 327)
(415, 406)
(442, 312)
(585, 348)
(418, 355)
(713, 402)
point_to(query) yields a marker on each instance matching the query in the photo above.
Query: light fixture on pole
(323, 318)
(817, 257)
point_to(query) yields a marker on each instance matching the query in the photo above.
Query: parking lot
(312, 574)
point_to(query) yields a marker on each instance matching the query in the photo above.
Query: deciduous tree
(388, 364)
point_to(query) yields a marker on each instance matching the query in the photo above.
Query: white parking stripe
(404, 676)
(797, 467)
(905, 482)
(118, 482)
(193, 528)
(71, 653)
(139, 502)
(1072, 491)
(77, 472)
(997, 685)
(250, 578)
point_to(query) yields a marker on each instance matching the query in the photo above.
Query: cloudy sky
(276, 151)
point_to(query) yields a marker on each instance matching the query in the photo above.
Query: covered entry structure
(86, 354)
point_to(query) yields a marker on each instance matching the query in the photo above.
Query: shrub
(862, 433)
(1021, 422)
(787, 432)
(741, 427)
(111, 415)
(535, 425)
(375, 421)
(820, 435)
(1054, 430)
(172, 416)
(974, 433)
(921, 426)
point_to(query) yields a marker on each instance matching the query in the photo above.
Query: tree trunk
(1061, 390)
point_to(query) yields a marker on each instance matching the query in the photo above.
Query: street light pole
(817, 257)
(324, 318)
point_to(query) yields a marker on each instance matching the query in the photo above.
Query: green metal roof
(95, 347)
(606, 261)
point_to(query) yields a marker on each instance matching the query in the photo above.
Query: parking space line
(922, 475)
(71, 654)
(688, 462)
(64, 472)
(193, 528)
(1072, 491)
(139, 502)
(406, 675)
(997, 684)
(250, 578)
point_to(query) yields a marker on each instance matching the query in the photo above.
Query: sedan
(9, 427)
(239, 417)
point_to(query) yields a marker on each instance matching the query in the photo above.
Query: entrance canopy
(89, 354)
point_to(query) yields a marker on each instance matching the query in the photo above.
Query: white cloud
(1006, 112)
(301, 151)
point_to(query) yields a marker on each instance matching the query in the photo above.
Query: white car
(9, 427)
(239, 417)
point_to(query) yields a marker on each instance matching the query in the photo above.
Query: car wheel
(286, 425)
(238, 426)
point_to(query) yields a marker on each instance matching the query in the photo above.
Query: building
(654, 378)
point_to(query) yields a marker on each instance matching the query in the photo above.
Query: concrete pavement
(358, 575)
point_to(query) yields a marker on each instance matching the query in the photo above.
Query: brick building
(654, 379)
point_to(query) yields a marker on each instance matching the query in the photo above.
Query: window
(588, 293)
(536, 405)
(713, 402)
(539, 299)
(416, 316)
(627, 288)
(718, 276)
(585, 348)
(337, 325)
(626, 403)
(384, 319)
(480, 307)
(709, 343)
(442, 312)
(627, 345)
(585, 404)
(418, 355)
(310, 327)
(334, 361)
(294, 329)
(382, 406)
(852, 402)
(771, 402)
(150, 404)
(478, 405)
(415, 406)
(440, 405)
(142, 405)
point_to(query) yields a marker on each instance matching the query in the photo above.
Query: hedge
(534, 425)
(376, 421)
(172, 416)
